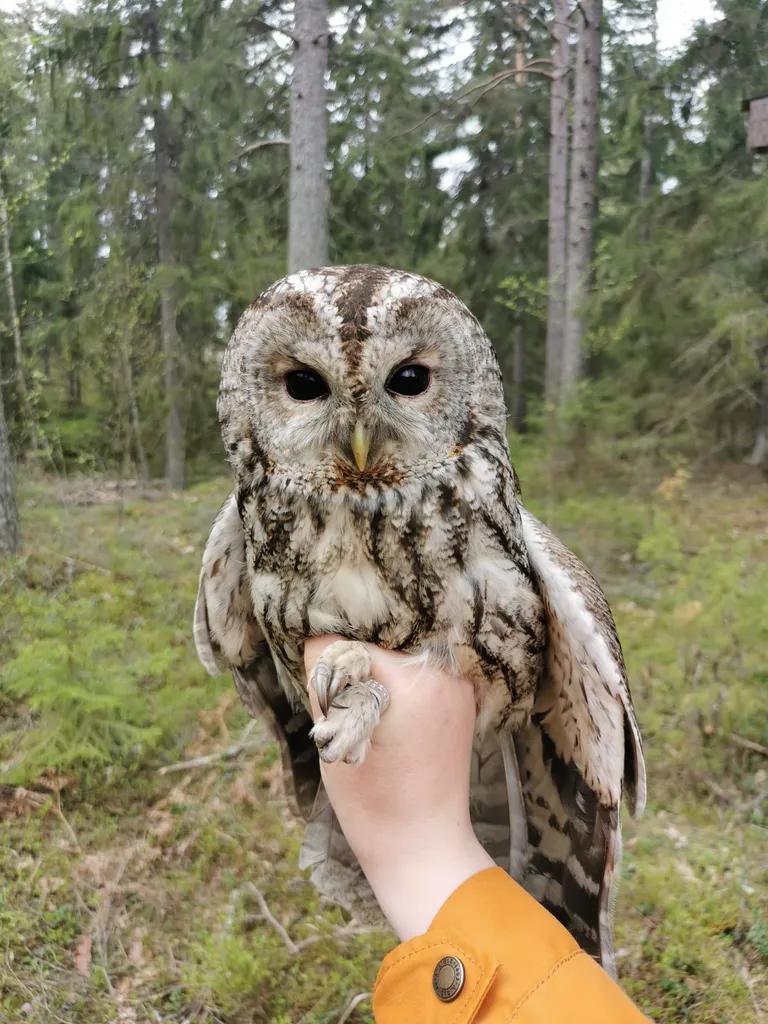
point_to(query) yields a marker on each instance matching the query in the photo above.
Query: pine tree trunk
(558, 202)
(308, 194)
(9, 515)
(13, 309)
(583, 185)
(172, 371)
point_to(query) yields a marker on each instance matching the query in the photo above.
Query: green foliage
(227, 971)
(97, 641)
(758, 937)
(693, 581)
(525, 296)
(438, 159)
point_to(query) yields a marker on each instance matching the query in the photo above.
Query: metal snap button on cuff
(448, 978)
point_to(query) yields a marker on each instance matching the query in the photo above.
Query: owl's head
(356, 371)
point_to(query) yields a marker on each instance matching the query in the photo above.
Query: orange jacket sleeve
(509, 959)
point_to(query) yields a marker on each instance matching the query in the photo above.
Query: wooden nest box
(757, 124)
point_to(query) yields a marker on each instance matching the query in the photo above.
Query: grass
(127, 896)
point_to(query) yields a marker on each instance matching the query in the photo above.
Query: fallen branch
(62, 818)
(243, 746)
(270, 918)
(745, 744)
(346, 932)
(718, 792)
(349, 1009)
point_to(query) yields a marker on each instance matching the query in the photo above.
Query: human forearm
(405, 810)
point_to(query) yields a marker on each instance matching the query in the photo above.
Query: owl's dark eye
(305, 385)
(409, 380)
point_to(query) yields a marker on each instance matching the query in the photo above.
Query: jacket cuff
(487, 904)
(404, 987)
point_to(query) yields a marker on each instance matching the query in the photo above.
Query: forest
(600, 203)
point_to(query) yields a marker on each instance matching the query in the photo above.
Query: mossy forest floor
(133, 896)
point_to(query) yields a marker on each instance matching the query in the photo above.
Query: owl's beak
(360, 445)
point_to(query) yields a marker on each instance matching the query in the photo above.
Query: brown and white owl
(363, 414)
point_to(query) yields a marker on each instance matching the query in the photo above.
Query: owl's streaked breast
(406, 568)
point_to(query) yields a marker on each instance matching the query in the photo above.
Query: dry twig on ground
(349, 1009)
(243, 746)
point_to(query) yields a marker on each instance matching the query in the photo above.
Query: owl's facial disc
(391, 400)
(376, 415)
(356, 372)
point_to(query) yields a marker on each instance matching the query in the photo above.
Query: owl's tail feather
(335, 870)
(489, 803)
(496, 802)
(574, 843)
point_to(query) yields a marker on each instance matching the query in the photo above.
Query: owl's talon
(321, 677)
(346, 733)
(320, 741)
(350, 701)
(343, 663)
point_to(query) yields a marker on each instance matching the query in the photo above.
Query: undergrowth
(128, 896)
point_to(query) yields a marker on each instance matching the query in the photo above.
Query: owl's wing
(580, 751)
(227, 635)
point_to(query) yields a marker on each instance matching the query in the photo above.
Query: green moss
(228, 971)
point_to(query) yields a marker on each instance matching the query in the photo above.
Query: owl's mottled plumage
(428, 549)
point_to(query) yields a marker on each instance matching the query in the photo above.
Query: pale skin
(405, 809)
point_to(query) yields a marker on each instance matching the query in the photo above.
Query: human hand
(405, 810)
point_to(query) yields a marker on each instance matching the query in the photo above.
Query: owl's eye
(305, 385)
(409, 380)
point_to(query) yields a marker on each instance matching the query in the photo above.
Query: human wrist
(412, 886)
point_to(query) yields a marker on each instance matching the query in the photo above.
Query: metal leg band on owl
(381, 693)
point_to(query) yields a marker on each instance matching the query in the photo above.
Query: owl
(374, 498)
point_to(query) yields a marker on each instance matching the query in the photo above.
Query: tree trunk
(558, 202)
(519, 409)
(646, 158)
(9, 515)
(142, 468)
(172, 371)
(519, 404)
(308, 193)
(581, 207)
(13, 309)
(759, 455)
(74, 389)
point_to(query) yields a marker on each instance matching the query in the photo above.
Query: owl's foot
(351, 702)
